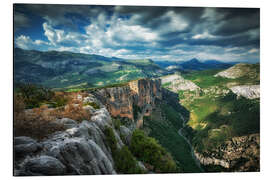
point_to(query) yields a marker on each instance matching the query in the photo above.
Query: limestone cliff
(132, 101)
(247, 91)
(176, 83)
(251, 71)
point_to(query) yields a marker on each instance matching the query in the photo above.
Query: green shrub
(110, 139)
(34, 95)
(149, 151)
(117, 123)
(125, 162)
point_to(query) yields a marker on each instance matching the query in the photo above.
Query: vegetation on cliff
(149, 151)
(125, 162)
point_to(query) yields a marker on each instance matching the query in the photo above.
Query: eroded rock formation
(238, 154)
(132, 101)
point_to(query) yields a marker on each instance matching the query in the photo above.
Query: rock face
(240, 70)
(238, 154)
(80, 149)
(247, 91)
(177, 83)
(133, 100)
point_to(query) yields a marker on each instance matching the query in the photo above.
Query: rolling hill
(75, 70)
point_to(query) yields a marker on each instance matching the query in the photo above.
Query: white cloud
(58, 37)
(25, 42)
(233, 49)
(211, 14)
(118, 30)
(253, 50)
(175, 22)
(204, 35)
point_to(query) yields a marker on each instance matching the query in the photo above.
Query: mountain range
(69, 70)
(194, 64)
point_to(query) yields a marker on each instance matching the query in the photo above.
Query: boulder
(43, 165)
(68, 123)
(25, 145)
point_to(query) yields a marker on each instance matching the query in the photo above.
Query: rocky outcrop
(176, 83)
(137, 97)
(127, 134)
(247, 91)
(80, 149)
(240, 70)
(238, 154)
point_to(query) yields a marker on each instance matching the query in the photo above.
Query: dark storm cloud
(153, 17)
(230, 25)
(64, 15)
(237, 20)
(20, 20)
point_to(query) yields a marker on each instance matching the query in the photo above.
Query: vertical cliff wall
(132, 101)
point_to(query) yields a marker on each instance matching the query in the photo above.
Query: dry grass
(38, 122)
(35, 123)
(73, 110)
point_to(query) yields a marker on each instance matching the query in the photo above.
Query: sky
(136, 32)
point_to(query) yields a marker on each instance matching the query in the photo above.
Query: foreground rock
(247, 91)
(80, 149)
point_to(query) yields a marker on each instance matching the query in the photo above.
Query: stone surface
(178, 83)
(240, 70)
(43, 165)
(120, 101)
(247, 91)
(25, 145)
(127, 134)
(68, 123)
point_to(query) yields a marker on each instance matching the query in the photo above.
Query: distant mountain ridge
(76, 70)
(194, 64)
(68, 70)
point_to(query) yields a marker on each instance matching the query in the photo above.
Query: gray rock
(25, 145)
(247, 91)
(177, 83)
(127, 134)
(68, 123)
(23, 140)
(43, 165)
